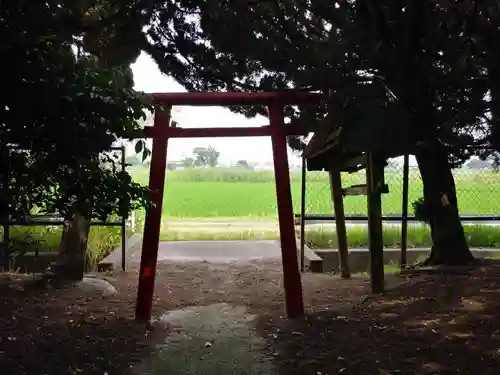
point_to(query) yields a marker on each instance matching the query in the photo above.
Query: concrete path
(220, 225)
(217, 339)
(201, 251)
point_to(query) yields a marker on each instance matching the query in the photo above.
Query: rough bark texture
(449, 243)
(73, 248)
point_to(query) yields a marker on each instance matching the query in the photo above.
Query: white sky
(148, 78)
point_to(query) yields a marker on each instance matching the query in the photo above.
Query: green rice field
(237, 193)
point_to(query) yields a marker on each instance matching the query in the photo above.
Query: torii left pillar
(152, 223)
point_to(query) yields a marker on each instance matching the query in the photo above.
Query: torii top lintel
(236, 98)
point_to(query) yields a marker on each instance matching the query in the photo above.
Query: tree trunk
(73, 248)
(449, 245)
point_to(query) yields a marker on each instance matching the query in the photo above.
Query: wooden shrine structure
(379, 133)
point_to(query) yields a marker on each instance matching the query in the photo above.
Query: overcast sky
(148, 78)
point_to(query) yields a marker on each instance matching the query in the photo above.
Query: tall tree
(188, 162)
(200, 157)
(212, 157)
(402, 53)
(205, 156)
(60, 114)
(477, 22)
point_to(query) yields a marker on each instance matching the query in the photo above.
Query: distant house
(478, 164)
(175, 164)
(269, 166)
(264, 166)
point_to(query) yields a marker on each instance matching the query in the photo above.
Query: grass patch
(102, 240)
(418, 236)
(218, 192)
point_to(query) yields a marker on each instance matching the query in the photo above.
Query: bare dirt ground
(439, 324)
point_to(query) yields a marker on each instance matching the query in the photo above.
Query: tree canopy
(65, 103)
(354, 52)
(435, 60)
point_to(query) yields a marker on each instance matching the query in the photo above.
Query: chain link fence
(8, 245)
(478, 192)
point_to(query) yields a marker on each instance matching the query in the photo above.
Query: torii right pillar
(291, 272)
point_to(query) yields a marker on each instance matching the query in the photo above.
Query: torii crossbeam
(161, 131)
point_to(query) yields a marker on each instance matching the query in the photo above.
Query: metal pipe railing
(45, 221)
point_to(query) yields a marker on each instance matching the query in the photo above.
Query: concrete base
(312, 261)
(114, 259)
(359, 259)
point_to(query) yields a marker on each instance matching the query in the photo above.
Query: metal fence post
(6, 241)
(124, 220)
(404, 211)
(303, 213)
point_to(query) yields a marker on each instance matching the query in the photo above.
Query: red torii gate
(277, 130)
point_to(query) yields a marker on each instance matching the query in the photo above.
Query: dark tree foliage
(435, 59)
(64, 103)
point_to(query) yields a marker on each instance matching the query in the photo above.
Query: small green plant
(421, 210)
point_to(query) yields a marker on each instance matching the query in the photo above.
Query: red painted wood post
(152, 222)
(291, 273)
